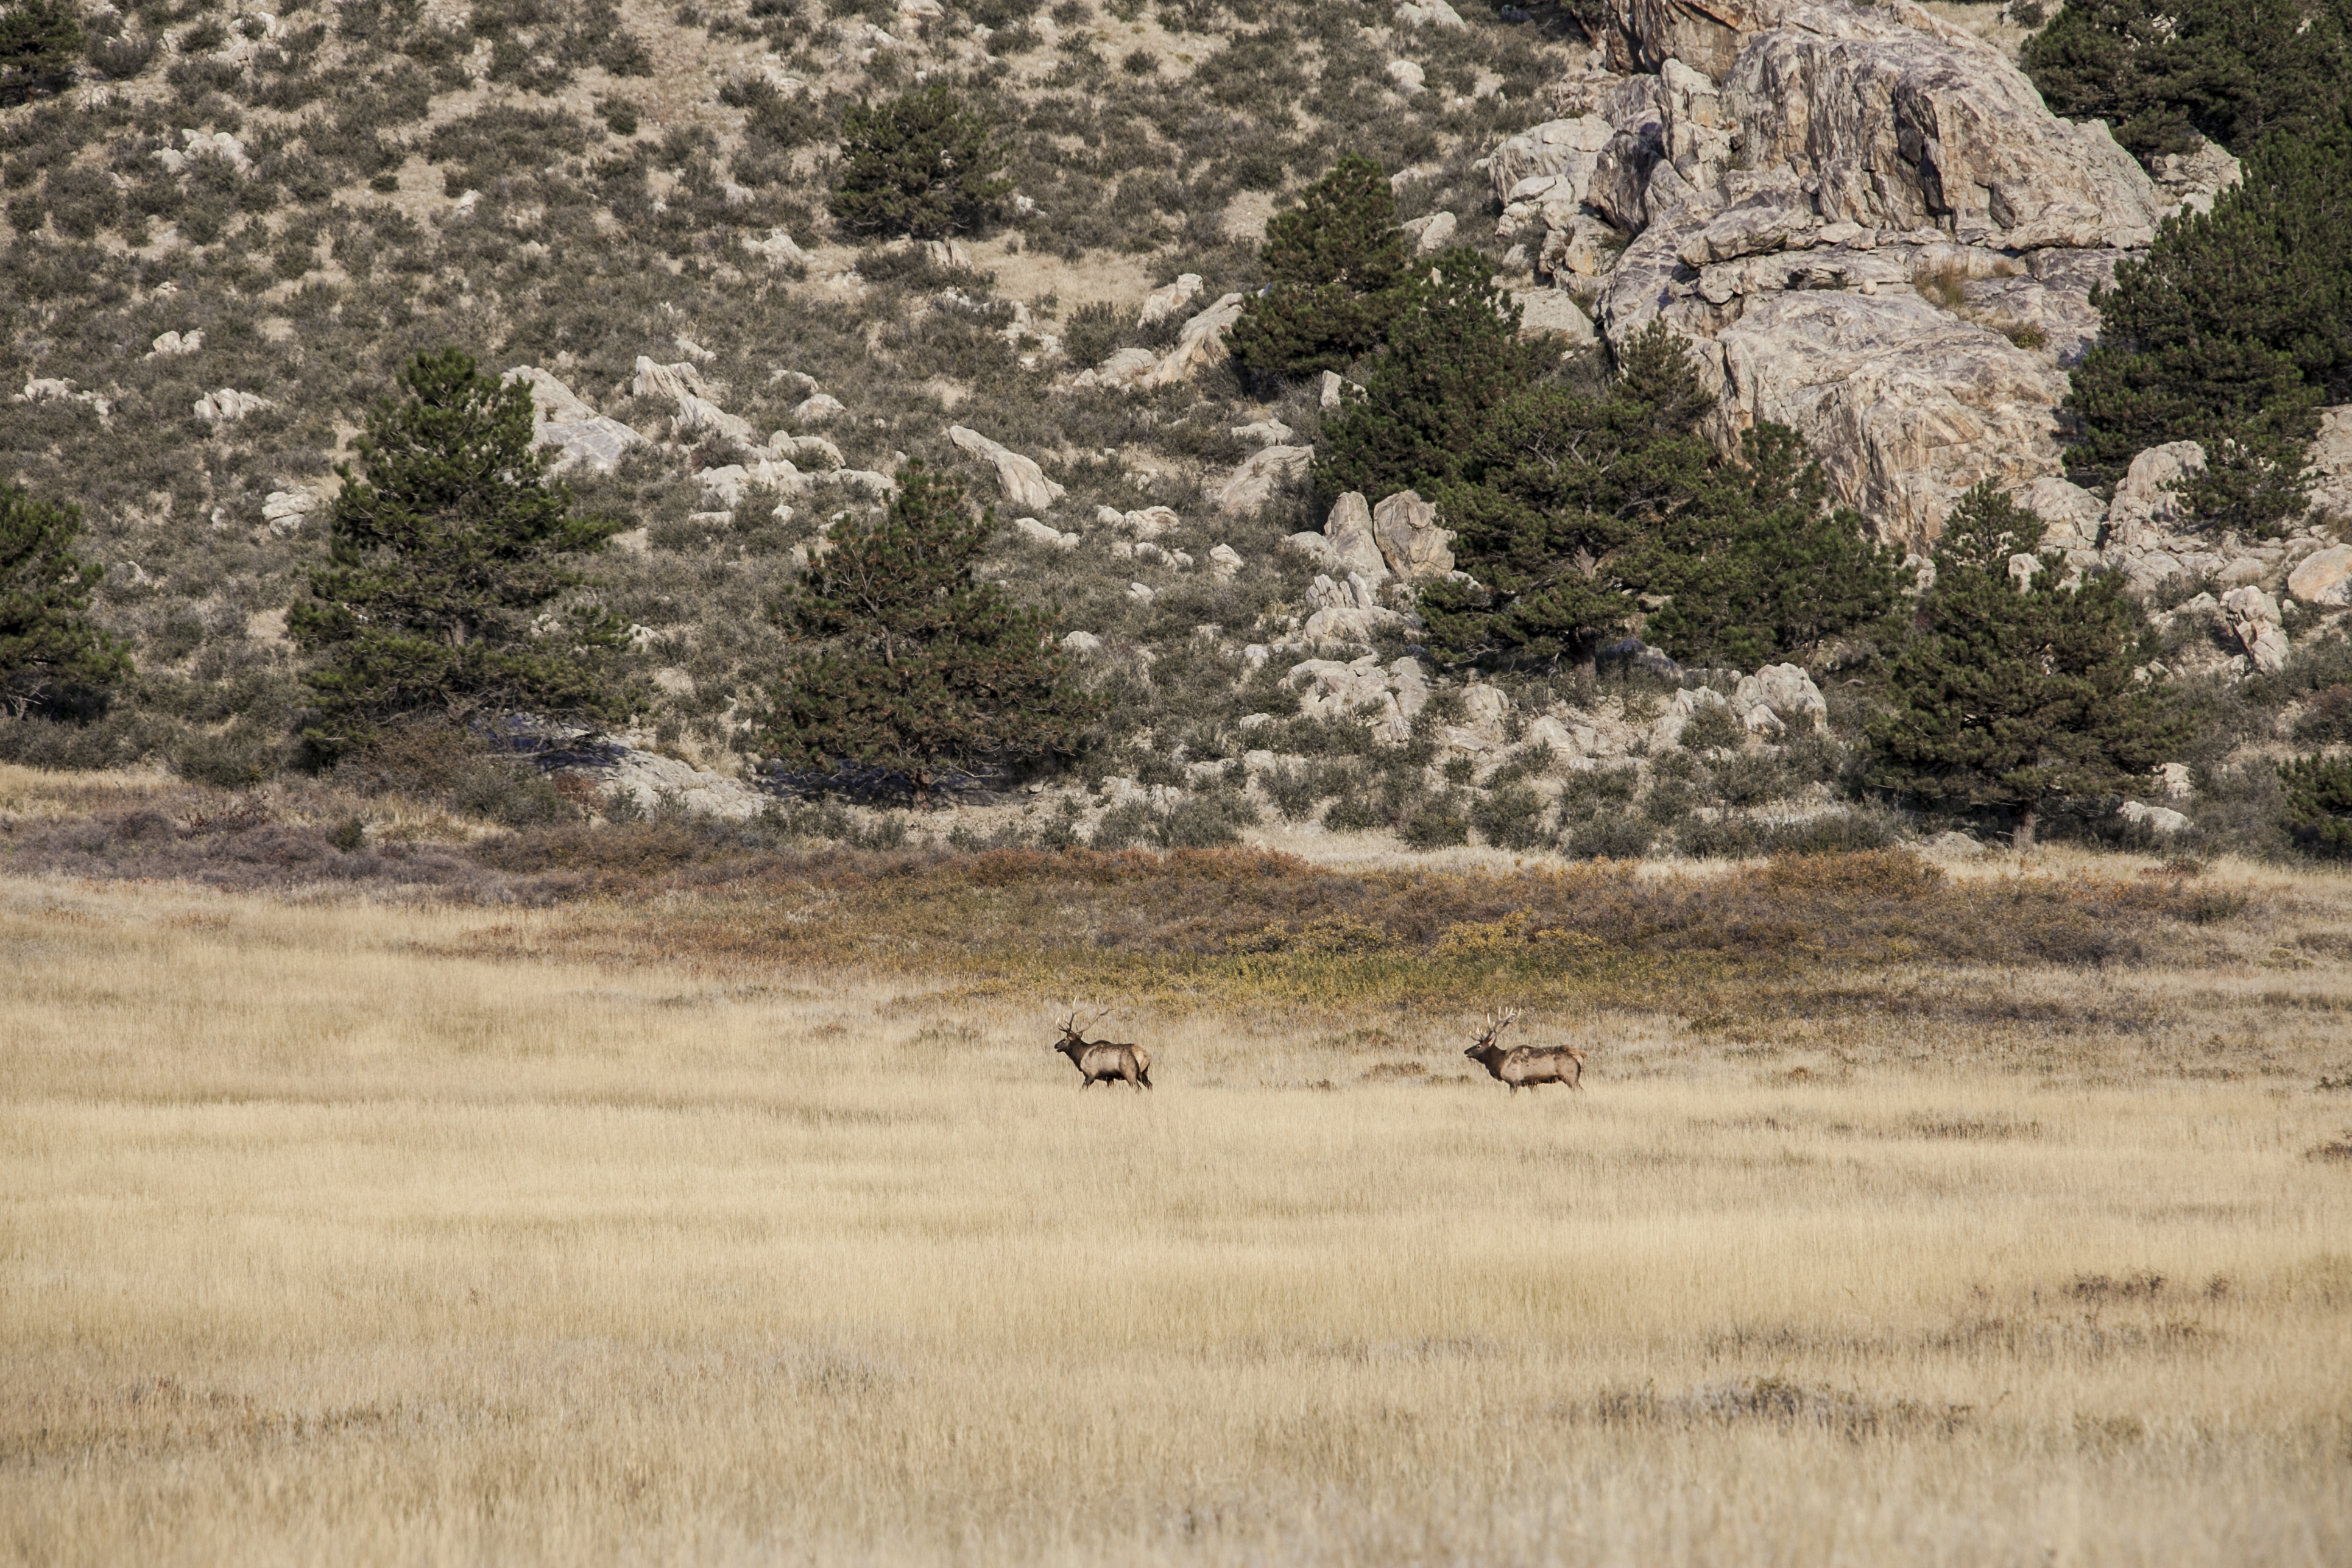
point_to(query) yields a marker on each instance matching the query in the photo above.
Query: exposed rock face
(1025, 484)
(1405, 528)
(1551, 313)
(1386, 698)
(1784, 690)
(2331, 465)
(817, 408)
(1344, 611)
(1255, 482)
(2324, 578)
(1349, 528)
(2253, 618)
(1866, 221)
(285, 511)
(1166, 301)
(1906, 404)
(227, 406)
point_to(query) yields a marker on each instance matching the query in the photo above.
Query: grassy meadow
(368, 1232)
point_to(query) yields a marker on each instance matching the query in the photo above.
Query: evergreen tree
(1337, 266)
(2163, 72)
(920, 164)
(1572, 510)
(40, 41)
(1453, 356)
(2317, 804)
(444, 565)
(907, 663)
(2231, 332)
(51, 656)
(2014, 695)
(1772, 571)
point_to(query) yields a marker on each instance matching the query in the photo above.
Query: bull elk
(1101, 1061)
(1525, 1067)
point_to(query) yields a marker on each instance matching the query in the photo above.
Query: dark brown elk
(1525, 1067)
(1102, 1061)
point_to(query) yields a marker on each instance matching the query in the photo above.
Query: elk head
(1074, 1038)
(1495, 1025)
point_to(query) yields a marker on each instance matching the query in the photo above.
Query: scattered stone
(1430, 14)
(2324, 578)
(2161, 820)
(285, 511)
(1253, 484)
(1407, 76)
(1024, 483)
(1140, 594)
(1081, 644)
(1201, 345)
(170, 345)
(1266, 432)
(1224, 562)
(777, 249)
(1037, 533)
(1332, 383)
(1431, 234)
(1167, 298)
(2253, 618)
(228, 405)
(1550, 312)
(816, 409)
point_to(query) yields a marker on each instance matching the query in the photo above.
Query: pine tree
(2231, 332)
(51, 656)
(1572, 510)
(1773, 571)
(1453, 356)
(2015, 697)
(39, 40)
(1337, 266)
(920, 166)
(2163, 72)
(444, 565)
(909, 663)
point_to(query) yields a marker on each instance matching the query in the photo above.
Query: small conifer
(907, 663)
(2014, 695)
(1453, 356)
(920, 166)
(1337, 266)
(445, 567)
(51, 656)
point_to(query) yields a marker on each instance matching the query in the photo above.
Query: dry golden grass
(326, 1242)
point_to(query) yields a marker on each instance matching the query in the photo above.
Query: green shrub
(2316, 804)
(1609, 836)
(920, 164)
(1438, 823)
(1337, 266)
(1511, 817)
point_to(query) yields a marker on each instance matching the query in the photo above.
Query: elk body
(1525, 1067)
(1102, 1061)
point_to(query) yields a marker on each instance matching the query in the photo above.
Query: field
(369, 1232)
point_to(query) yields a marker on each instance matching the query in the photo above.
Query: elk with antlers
(1100, 1061)
(1525, 1067)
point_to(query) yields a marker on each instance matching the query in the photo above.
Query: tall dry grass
(324, 1241)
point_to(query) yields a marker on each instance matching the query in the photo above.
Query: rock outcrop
(1404, 527)
(1253, 483)
(1863, 218)
(1024, 483)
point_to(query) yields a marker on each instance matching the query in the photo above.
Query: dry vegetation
(634, 1228)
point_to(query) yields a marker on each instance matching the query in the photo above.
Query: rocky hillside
(240, 219)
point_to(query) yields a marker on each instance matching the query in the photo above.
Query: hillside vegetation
(776, 255)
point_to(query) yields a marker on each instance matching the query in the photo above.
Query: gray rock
(1405, 529)
(1253, 483)
(1550, 312)
(1024, 483)
(1352, 547)
(1565, 152)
